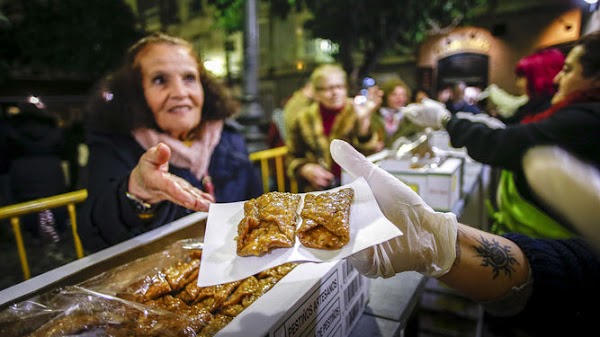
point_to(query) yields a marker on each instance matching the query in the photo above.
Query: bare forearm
(364, 127)
(487, 266)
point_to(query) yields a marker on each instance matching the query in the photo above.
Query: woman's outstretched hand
(151, 181)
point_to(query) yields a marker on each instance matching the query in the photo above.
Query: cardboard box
(314, 299)
(439, 187)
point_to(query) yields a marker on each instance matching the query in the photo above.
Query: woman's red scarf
(328, 117)
(588, 95)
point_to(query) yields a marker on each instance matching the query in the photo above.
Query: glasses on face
(331, 88)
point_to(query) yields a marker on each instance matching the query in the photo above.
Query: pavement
(42, 254)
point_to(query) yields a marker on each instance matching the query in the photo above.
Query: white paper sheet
(221, 264)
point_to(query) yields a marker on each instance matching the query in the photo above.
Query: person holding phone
(332, 115)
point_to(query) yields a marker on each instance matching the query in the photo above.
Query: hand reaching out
(366, 105)
(428, 243)
(151, 181)
(429, 113)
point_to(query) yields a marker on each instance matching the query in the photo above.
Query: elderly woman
(160, 146)
(572, 123)
(332, 115)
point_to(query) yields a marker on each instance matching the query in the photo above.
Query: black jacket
(565, 288)
(532, 107)
(574, 128)
(108, 217)
(35, 148)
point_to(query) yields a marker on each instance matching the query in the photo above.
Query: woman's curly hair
(590, 59)
(388, 87)
(118, 103)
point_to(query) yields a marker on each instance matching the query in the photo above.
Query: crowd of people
(544, 262)
(332, 115)
(162, 145)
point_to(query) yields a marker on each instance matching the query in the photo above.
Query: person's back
(535, 77)
(4, 165)
(35, 144)
(299, 100)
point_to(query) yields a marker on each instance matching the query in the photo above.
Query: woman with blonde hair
(332, 115)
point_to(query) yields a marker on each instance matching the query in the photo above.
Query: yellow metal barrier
(276, 155)
(13, 212)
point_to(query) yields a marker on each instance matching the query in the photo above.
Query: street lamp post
(252, 114)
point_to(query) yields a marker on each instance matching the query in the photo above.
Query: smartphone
(363, 94)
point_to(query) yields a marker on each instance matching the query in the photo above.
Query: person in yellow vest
(572, 123)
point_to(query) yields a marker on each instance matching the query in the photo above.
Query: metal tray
(191, 226)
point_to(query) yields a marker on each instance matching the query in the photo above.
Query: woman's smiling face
(172, 87)
(331, 91)
(397, 98)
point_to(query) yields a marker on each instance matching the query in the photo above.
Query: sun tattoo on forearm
(497, 256)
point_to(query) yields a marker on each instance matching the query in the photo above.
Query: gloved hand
(428, 113)
(486, 119)
(568, 185)
(428, 243)
(505, 103)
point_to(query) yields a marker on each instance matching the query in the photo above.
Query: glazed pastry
(269, 222)
(326, 219)
(173, 305)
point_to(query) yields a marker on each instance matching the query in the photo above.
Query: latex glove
(428, 243)
(505, 103)
(568, 185)
(151, 181)
(428, 113)
(486, 119)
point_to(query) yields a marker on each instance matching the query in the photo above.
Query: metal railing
(266, 158)
(13, 212)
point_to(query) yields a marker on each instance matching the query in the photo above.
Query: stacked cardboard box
(440, 187)
(324, 299)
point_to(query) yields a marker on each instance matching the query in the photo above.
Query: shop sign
(453, 44)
